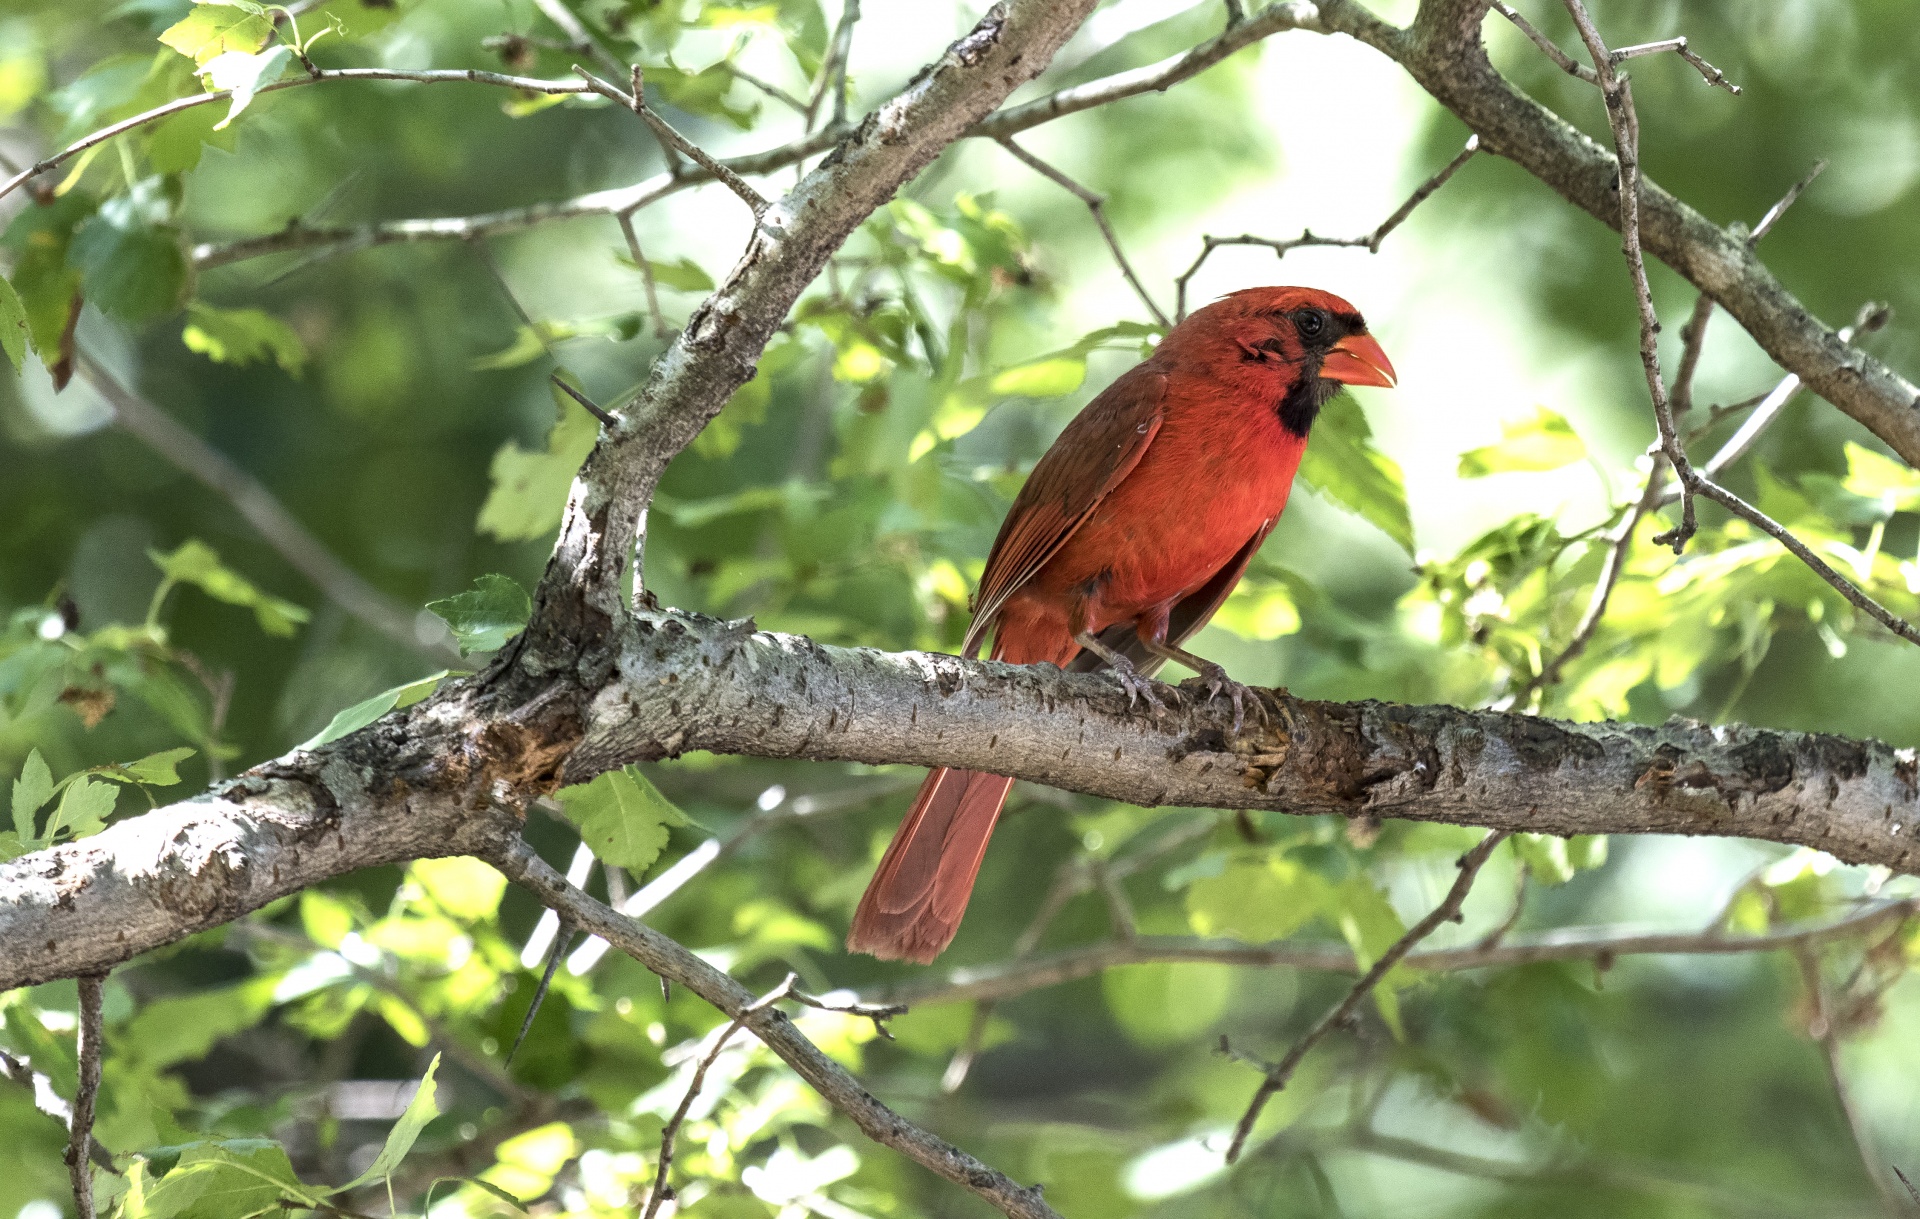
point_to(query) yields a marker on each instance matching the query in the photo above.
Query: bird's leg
(1213, 679)
(1136, 686)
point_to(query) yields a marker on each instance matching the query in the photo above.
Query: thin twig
(1568, 64)
(188, 453)
(765, 86)
(1825, 1031)
(1494, 938)
(833, 69)
(1277, 1074)
(1678, 46)
(1095, 204)
(1280, 246)
(1786, 201)
(636, 101)
(80, 1133)
(1625, 124)
(878, 1013)
(660, 1191)
(1911, 1191)
(660, 327)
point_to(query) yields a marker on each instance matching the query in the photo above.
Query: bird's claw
(1214, 681)
(1137, 688)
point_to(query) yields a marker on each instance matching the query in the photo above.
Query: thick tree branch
(405, 788)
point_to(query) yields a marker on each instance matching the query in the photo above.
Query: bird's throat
(1301, 404)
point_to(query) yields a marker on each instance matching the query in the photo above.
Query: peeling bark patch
(985, 36)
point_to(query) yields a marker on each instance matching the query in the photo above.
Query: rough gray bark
(418, 783)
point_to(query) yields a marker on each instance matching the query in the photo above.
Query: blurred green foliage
(396, 399)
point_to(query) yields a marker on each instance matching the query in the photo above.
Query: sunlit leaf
(358, 716)
(1542, 441)
(215, 29)
(484, 617)
(622, 816)
(243, 74)
(242, 336)
(196, 563)
(420, 1110)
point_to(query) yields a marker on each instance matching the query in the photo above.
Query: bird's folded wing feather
(1094, 453)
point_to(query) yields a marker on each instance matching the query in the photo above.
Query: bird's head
(1300, 344)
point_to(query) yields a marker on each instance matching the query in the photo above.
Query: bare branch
(1823, 1028)
(990, 983)
(1780, 533)
(669, 959)
(88, 1050)
(660, 327)
(191, 455)
(660, 1193)
(1552, 50)
(1618, 92)
(636, 101)
(1095, 203)
(1277, 1074)
(1370, 242)
(1678, 46)
(833, 69)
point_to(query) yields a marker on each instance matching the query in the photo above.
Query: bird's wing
(1189, 614)
(1100, 447)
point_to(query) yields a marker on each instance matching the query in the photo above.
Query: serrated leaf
(484, 617)
(244, 74)
(420, 1110)
(358, 716)
(242, 336)
(1342, 464)
(530, 487)
(622, 816)
(13, 325)
(83, 810)
(212, 30)
(31, 789)
(1542, 441)
(196, 563)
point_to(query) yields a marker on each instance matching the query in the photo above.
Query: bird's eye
(1311, 323)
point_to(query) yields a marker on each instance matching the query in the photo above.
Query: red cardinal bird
(1129, 535)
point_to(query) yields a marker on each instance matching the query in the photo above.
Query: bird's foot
(1213, 680)
(1137, 687)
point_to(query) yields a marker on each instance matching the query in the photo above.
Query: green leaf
(682, 276)
(83, 810)
(1256, 899)
(242, 336)
(464, 888)
(48, 287)
(154, 770)
(484, 617)
(420, 1110)
(1543, 441)
(232, 1179)
(13, 325)
(213, 30)
(244, 74)
(1048, 378)
(1874, 476)
(33, 788)
(174, 144)
(1554, 861)
(131, 264)
(11, 847)
(530, 488)
(196, 563)
(703, 92)
(622, 816)
(1371, 925)
(1342, 464)
(358, 716)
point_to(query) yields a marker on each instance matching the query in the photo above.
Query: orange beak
(1358, 360)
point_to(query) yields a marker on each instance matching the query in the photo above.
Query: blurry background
(851, 492)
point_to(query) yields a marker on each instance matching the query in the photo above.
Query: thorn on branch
(560, 941)
(592, 407)
(1341, 1013)
(1786, 201)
